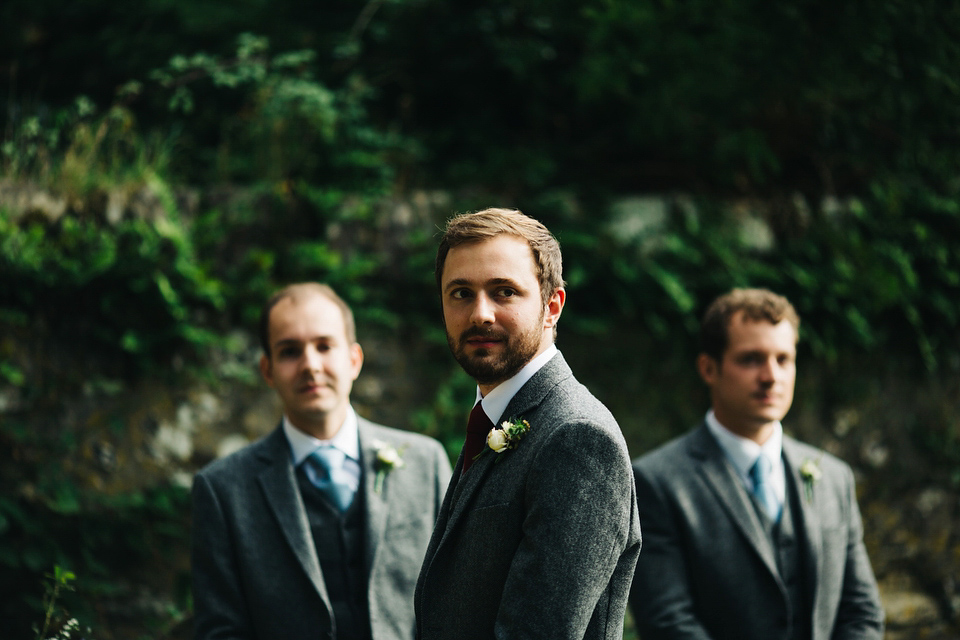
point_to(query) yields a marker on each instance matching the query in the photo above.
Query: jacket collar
(531, 395)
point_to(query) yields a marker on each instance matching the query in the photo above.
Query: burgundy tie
(478, 426)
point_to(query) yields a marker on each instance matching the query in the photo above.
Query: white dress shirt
(743, 453)
(495, 402)
(346, 440)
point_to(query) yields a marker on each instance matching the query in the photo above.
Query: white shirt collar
(743, 452)
(495, 402)
(347, 439)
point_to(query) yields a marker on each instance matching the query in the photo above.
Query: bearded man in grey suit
(749, 534)
(538, 534)
(319, 529)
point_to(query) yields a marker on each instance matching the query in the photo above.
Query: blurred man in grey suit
(749, 534)
(538, 534)
(319, 529)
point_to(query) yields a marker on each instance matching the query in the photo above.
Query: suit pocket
(491, 530)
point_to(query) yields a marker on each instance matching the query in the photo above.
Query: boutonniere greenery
(506, 436)
(809, 473)
(388, 459)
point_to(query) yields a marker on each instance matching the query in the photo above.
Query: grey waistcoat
(339, 541)
(788, 547)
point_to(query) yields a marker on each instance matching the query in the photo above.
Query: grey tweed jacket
(708, 570)
(255, 567)
(539, 541)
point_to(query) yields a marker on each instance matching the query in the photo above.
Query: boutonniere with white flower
(810, 473)
(506, 436)
(388, 459)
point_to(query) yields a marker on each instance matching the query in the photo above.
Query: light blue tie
(324, 469)
(762, 489)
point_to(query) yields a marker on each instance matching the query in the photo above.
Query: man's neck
(758, 432)
(324, 428)
(485, 389)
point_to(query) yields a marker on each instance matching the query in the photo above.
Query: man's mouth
(482, 343)
(311, 387)
(481, 339)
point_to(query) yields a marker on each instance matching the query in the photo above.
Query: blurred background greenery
(166, 165)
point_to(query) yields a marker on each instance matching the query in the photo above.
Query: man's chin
(485, 370)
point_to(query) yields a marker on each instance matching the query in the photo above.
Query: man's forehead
(312, 311)
(503, 256)
(743, 332)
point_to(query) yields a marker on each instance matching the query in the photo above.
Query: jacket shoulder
(832, 467)
(668, 456)
(242, 460)
(410, 441)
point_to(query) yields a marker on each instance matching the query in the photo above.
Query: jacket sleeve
(579, 542)
(860, 615)
(220, 612)
(441, 477)
(661, 599)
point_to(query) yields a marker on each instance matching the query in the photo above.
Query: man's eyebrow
(463, 282)
(456, 282)
(294, 342)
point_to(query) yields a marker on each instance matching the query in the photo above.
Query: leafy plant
(56, 619)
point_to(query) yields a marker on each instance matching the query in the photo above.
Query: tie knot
(328, 457)
(761, 469)
(479, 423)
(326, 469)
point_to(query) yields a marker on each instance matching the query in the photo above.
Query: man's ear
(554, 308)
(265, 370)
(356, 358)
(708, 368)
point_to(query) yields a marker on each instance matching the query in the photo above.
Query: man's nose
(312, 359)
(770, 371)
(483, 312)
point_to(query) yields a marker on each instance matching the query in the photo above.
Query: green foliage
(78, 152)
(130, 290)
(816, 145)
(59, 581)
(444, 416)
(274, 121)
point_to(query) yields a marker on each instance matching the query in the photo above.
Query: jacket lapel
(279, 484)
(722, 480)
(523, 403)
(808, 518)
(377, 505)
(467, 485)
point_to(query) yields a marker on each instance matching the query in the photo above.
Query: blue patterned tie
(762, 489)
(324, 469)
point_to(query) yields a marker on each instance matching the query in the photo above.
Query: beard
(485, 367)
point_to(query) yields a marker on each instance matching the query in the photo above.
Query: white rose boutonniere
(388, 459)
(506, 436)
(809, 473)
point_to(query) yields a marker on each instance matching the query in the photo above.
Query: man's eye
(460, 294)
(506, 293)
(289, 352)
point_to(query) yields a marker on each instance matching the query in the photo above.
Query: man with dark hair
(319, 529)
(538, 534)
(749, 534)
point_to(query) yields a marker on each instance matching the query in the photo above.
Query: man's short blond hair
(756, 305)
(489, 223)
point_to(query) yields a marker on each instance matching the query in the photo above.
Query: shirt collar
(743, 452)
(347, 439)
(495, 402)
